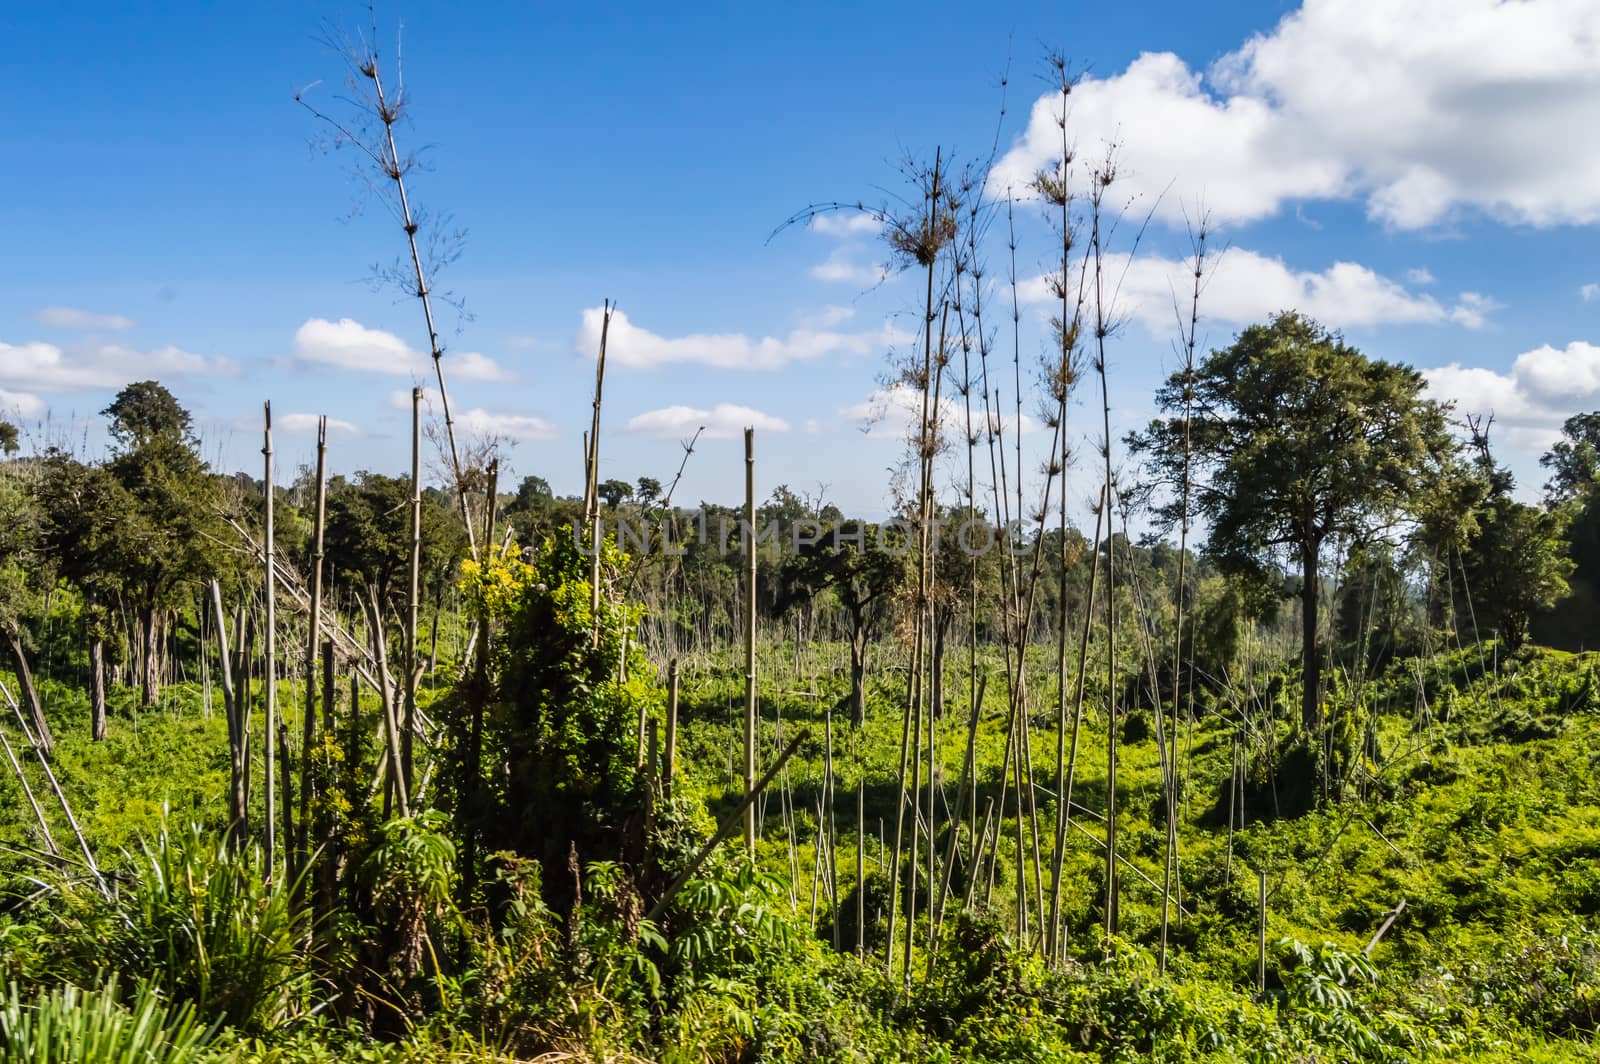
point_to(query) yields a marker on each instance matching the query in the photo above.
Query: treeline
(105, 565)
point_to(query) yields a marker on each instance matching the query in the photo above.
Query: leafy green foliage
(71, 1024)
(196, 921)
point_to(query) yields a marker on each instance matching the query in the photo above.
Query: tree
(1574, 462)
(861, 565)
(614, 491)
(82, 510)
(1515, 560)
(367, 536)
(8, 437)
(170, 528)
(22, 567)
(1296, 438)
(533, 495)
(649, 490)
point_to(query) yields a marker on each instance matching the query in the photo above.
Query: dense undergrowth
(1471, 794)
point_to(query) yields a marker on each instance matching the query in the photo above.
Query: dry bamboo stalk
(1183, 547)
(1102, 328)
(270, 665)
(727, 828)
(44, 825)
(861, 871)
(1261, 936)
(672, 729)
(750, 641)
(388, 695)
(910, 746)
(414, 593)
(313, 639)
(591, 475)
(968, 772)
(833, 830)
(55, 788)
(238, 727)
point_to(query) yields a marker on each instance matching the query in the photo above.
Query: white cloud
(895, 413)
(830, 316)
(629, 345)
(1542, 389)
(1590, 292)
(1244, 287)
(841, 268)
(520, 427)
(82, 320)
(723, 422)
(347, 344)
(479, 422)
(20, 403)
(1418, 108)
(1420, 276)
(846, 223)
(302, 423)
(42, 367)
(1472, 309)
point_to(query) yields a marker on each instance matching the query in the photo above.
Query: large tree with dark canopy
(1298, 438)
(84, 516)
(861, 565)
(170, 531)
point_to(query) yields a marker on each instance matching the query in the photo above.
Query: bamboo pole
(727, 828)
(672, 729)
(44, 825)
(313, 640)
(55, 788)
(270, 668)
(1102, 330)
(1261, 936)
(861, 871)
(591, 474)
(238, 727)
(414, 594)
(750, 641)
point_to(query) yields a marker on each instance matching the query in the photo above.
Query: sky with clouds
(1419, 174)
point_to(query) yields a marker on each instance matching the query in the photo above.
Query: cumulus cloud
(722, 422)
(895, 413)
(629, 345)
(1418, 108)
(1590, 292)
(20, 403)
(81, 320)
(1420, 276)
(1542, 389)
(304, 423)
(42, 367)
(480, 422)
(846, 224)
(1244, 286)
(347, 344)
(842, 267)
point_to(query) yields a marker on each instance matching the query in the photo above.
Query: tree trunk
(97, 690)
(858, 676)
(151, 672)
(1310, 653)
(30, 694)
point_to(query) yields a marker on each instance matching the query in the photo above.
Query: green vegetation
(360, 769)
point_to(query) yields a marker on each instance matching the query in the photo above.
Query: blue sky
(1418, 173)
